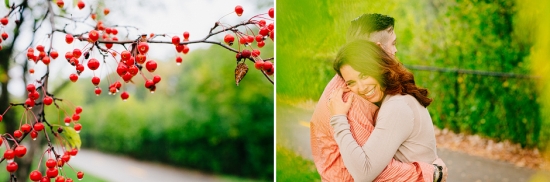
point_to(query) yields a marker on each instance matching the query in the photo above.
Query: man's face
(388, 44)
(386, 39)
(363, 85)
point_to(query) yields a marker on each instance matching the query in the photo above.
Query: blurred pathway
(293, 132)
(114, 168)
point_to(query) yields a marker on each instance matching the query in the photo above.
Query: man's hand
(440, 162)
(337, 105)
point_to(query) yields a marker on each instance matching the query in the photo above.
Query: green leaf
(7, 2)
(73, 138)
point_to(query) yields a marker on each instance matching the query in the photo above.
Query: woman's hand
(440, 162)
(337, 105)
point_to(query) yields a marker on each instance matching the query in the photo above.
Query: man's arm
(325, 151)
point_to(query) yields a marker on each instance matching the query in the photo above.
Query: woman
(404, 128)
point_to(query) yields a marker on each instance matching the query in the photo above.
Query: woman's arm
(392, 129)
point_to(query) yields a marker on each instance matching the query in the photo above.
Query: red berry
(109, 45)
(261, 44)
(95, 80)
(97, 91)
(127, 77)
(261, 23)
(17, 133)
(259, 38)
(243, 40)
(124, 97)
(246, 53)
(35, 175)
(50, 163)
(156, 79)
(270, 27)
(143, 47)
(69, 55)
(267, 65)
(38, 126)
(107, 30)
(179, 47)
(121, 69)
(125, 55)
(228, 39)
(20, 151)
(74, 151)
(149, 83)
(29, 103)
(179, 60)
(40, 48)
(185, 49)
(67, 120)
(81, 4)
(151, 66)
(255, 53)
(73, 77)
(60, 179)
(45, 179)
(106, 11)
(77, 53)
(259, 64)
(78, 110)
(48, 100)
(31, 87)
(185, 35)
(76, 117)
(46, 60)
(250, 39)
(272, 35)
(80, 175)
(69, 38)
(60, 3)
(34, 134)
(117, 84)
(130, 61)
(175, 40)
(12, 167)
(34, 95)
(140, 58)
(271, 12)
(69, 180)
(239, 10)
(9, 154)
(26, 128)
(133, 70)
(60, 162)
(1, 118)
(66, 157)
(270, 71)
(93, 36)
(52, 172)
(4, 35)
(79, 68)
(114, 31)
(4, 21)
(93, 64)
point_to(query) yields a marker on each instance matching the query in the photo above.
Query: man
(378, 29)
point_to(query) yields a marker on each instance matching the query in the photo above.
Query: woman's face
(361, 84)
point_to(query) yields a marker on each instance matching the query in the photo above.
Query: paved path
(293, 132)
(116, 168)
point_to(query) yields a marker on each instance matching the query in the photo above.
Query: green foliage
(470, 34)
(198, 118)
(293, 167)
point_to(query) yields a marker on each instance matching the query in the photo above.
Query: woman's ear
(379, 45)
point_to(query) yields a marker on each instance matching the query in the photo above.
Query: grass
(293, 167)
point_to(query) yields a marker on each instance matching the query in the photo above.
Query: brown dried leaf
(240, 72)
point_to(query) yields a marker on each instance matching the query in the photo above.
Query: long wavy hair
(368, 58)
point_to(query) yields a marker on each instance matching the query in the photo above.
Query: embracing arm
(375, 159)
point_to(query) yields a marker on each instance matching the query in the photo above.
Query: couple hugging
(381, 130)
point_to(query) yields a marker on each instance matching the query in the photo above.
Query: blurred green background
(501, 36)
(198, 118)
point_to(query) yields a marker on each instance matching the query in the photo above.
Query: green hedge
(471, 34)
(197, 119)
